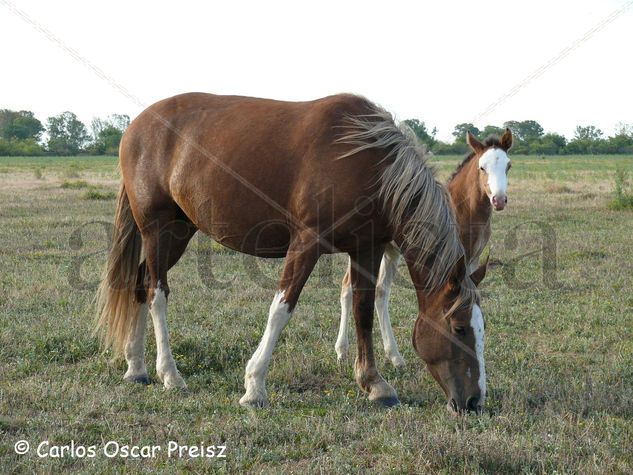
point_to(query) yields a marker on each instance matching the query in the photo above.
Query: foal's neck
(473, 210)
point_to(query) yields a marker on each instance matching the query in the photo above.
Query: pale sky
(442, 62)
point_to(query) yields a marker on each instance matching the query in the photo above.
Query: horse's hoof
(174, 382)
(387, 402)
(397, 361)
(138, 379)
(253, 402)
(341, 355)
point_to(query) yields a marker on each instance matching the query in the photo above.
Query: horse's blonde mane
(416, 203)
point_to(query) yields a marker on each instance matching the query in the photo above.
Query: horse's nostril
(506, 199)
(472, 404)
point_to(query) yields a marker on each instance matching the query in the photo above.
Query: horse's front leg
(364, 271)
(302, 256)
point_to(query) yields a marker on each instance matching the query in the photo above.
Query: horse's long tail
(117, 307)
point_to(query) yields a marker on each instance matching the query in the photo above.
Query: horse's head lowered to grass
(449, 336)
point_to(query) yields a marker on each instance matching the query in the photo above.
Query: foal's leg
(364, 271)
(300, 260)
(342, 341)
(388, 269)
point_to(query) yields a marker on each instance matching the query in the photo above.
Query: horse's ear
(473, 143)
(506, 140)
(480, 272)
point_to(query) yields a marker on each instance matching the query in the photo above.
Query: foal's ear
(506, 140)
(473, 143)
(480, 273)
(459, 271)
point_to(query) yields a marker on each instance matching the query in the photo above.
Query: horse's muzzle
(472, 406)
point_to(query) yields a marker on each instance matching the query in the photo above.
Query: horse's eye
(459, 330)
(482, 169)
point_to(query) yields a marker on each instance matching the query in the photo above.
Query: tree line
(530, 138)
(22, 134)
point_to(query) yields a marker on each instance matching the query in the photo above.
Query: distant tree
(550, 144)
(19, 125)
(67, 134)
(588, 132)
(421, 131)
(624, 129)
(459, 132)
(525, 130)
(492, 130)
(621, 142)
(456, 148)
(107, 133)
(24, 148)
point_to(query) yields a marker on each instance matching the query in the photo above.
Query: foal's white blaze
(257, 367)
(495, 162)
(477, 324)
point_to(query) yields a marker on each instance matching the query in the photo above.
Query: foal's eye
(459, 330)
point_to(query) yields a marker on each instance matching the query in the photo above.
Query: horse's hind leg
(300, 261)
(164, 241)
(135, 350)
(180, 232)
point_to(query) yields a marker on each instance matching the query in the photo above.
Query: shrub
(623, 197)
(95, 194)
(74, 185)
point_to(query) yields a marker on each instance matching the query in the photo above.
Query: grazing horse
(294, 179)
(479, 184)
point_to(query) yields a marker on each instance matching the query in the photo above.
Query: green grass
(74, 185)
(559, 350)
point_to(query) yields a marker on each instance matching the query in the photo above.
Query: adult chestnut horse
(479, 184)
(252, 173)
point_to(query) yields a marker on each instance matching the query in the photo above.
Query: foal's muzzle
(499, 202)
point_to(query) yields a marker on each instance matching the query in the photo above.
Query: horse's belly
(264, 239)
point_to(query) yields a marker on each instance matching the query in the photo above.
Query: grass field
(559, 347)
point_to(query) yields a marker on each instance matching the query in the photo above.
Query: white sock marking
(135, 346)
(388, 269)
(165, 364)
(342, 340)
(257, 367)
(477, 324)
